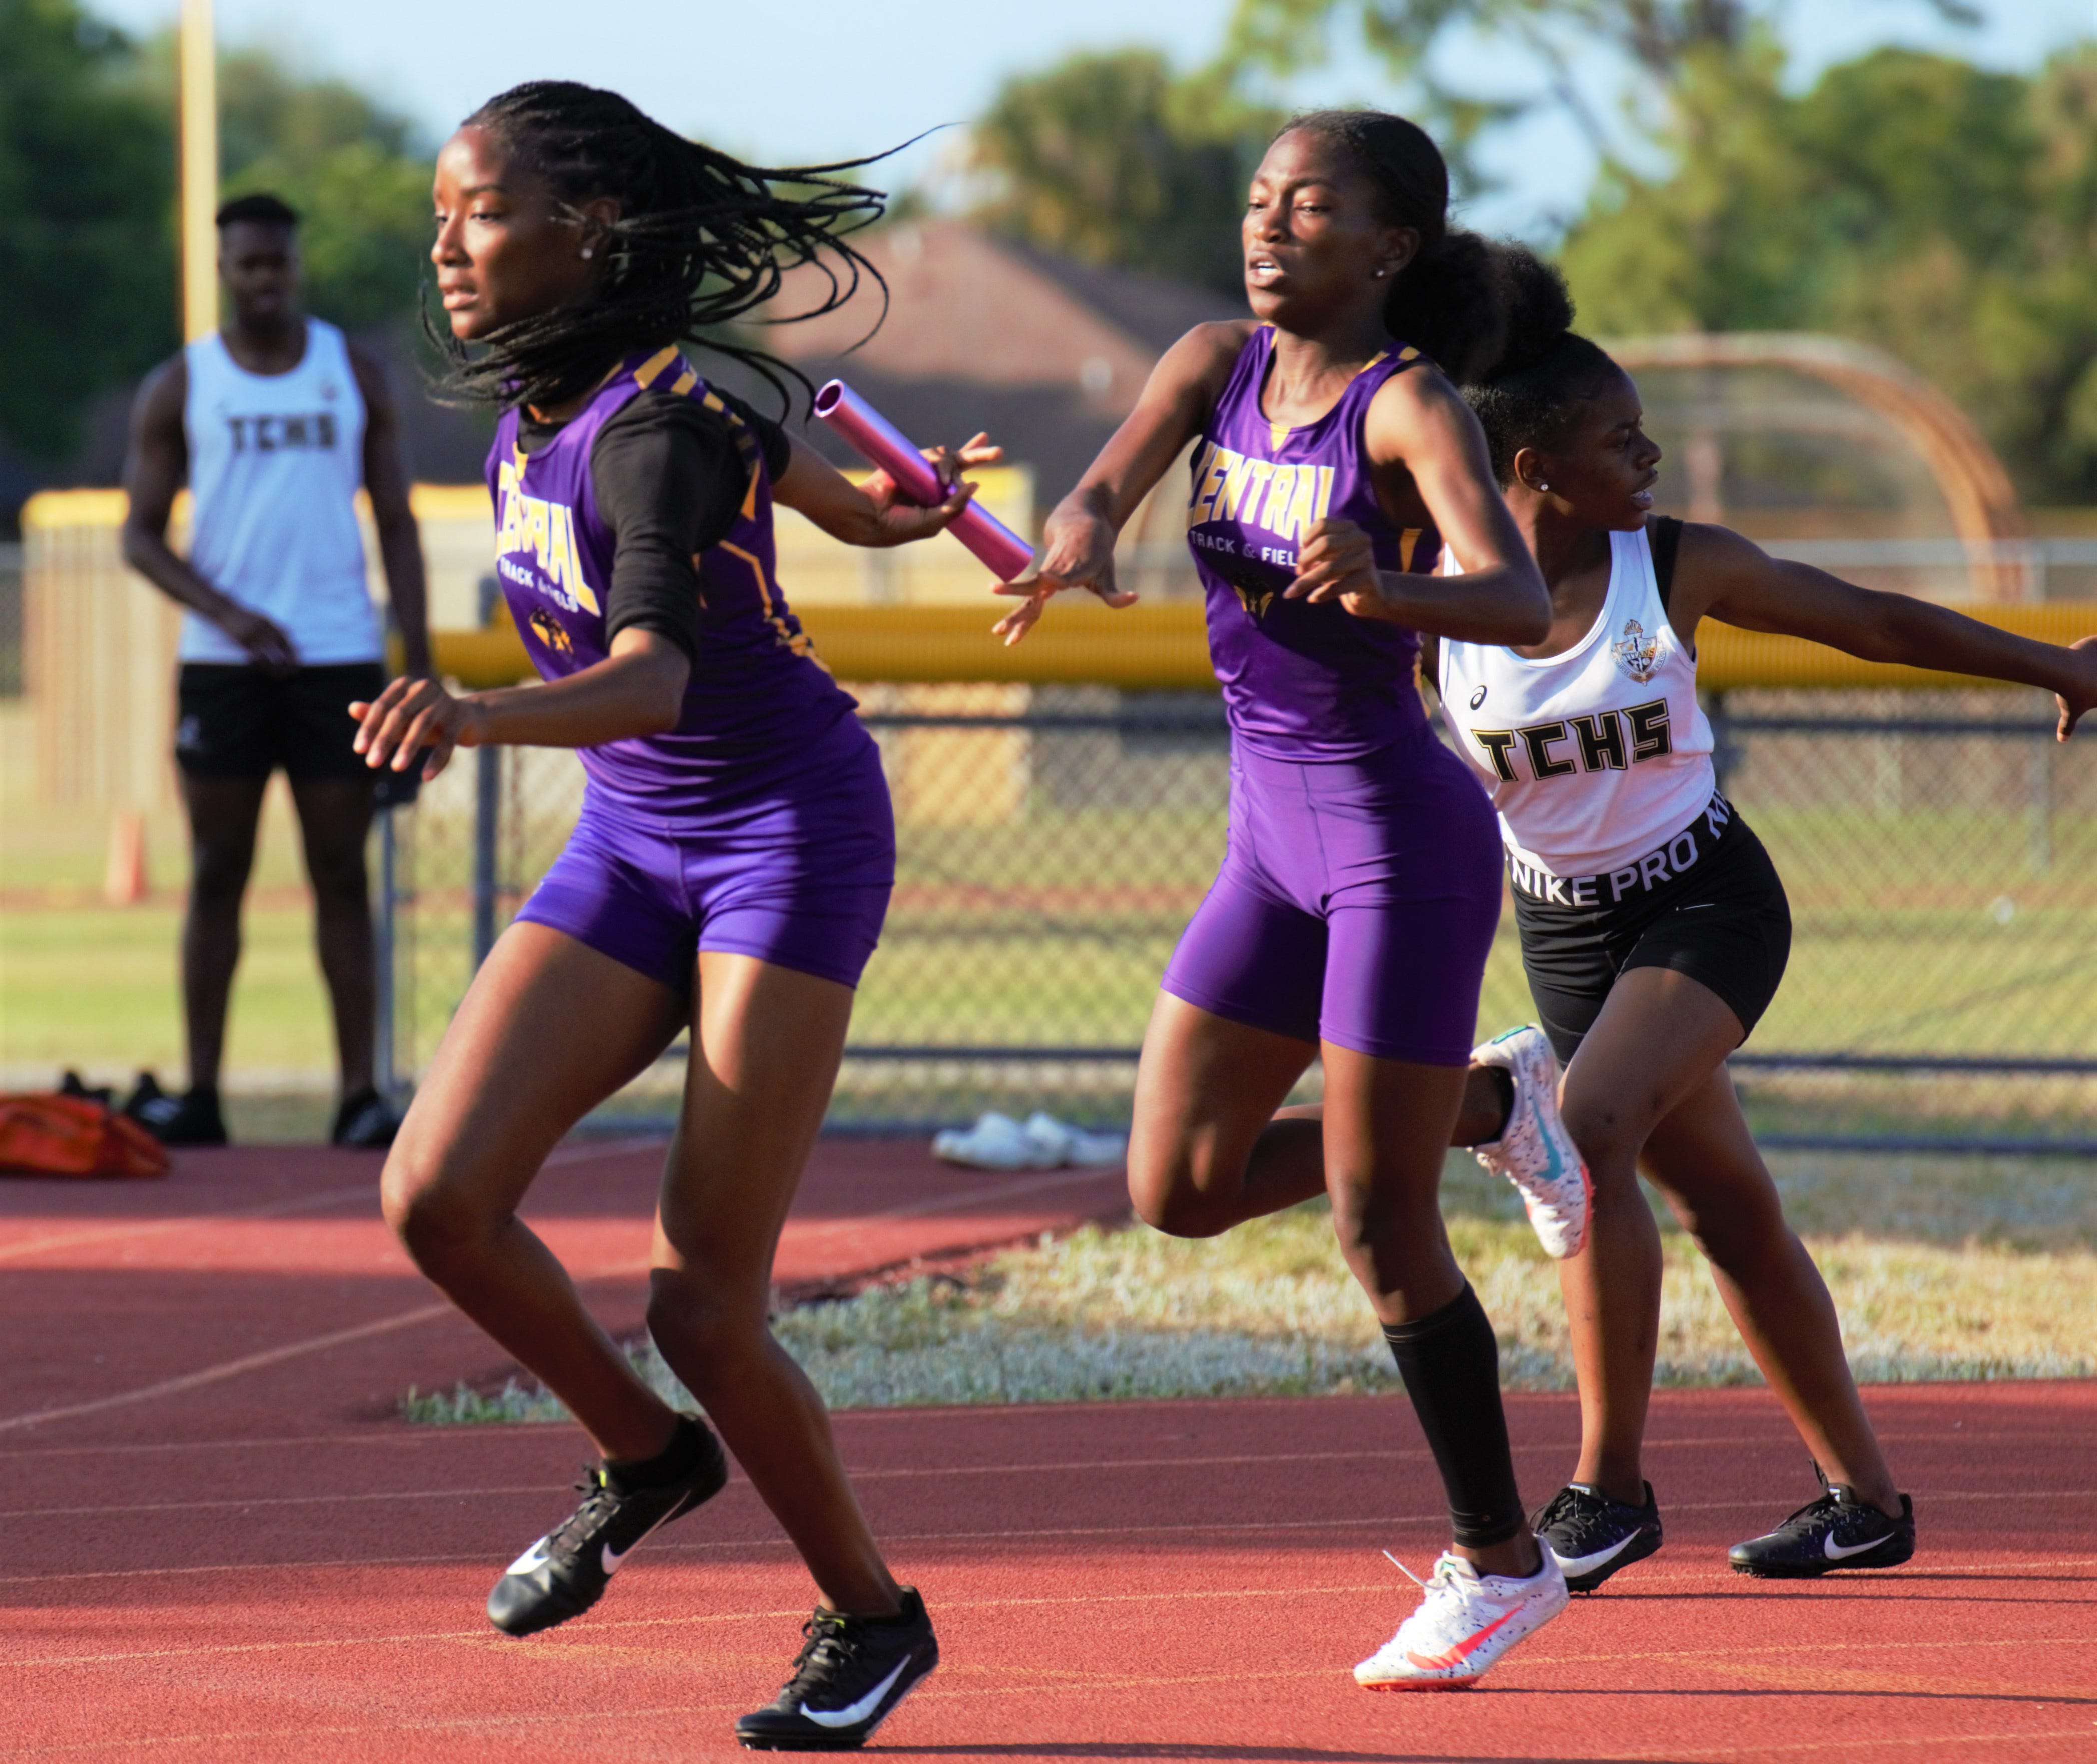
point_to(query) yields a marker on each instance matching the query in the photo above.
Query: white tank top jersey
(275, 462)
(1595, 757)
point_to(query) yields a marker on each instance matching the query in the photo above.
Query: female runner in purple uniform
(1358, 893)
(1654, 928)
(731, 865)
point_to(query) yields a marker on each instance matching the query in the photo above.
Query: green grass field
(1929, 931)
(1941, 1267)
(93, 987)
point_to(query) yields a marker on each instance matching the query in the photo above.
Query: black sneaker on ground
(1593, 1536)
(566, 1571)
(849, 1676)
(366, 1120)
(1836, 1531)
(145, 1091)
(191, 1118)
(70, 1083)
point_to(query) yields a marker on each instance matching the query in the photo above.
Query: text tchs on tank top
(1595, 758)
(275, 462)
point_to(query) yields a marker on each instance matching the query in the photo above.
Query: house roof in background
(967, 307)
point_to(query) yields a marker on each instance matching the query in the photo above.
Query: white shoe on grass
(1073, 1147)
(998, 1142)
(1534, 1152)
(995, 1142)
(1465, 1621)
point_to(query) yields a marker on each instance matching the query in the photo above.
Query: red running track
(225, 1551)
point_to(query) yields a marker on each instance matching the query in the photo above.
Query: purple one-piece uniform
(761, 824)
(1361, 882)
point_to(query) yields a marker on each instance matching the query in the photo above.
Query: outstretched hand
(899, 520)
(2084, 698)
(1079, 554)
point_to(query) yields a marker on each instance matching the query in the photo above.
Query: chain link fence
(1054, 840)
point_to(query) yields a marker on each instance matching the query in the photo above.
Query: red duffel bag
(74, 1136)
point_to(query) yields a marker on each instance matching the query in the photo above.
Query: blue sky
(818, 78)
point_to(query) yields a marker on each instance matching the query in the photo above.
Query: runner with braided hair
(730, 868)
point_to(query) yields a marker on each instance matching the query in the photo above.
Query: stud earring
(1543, 486)
(588, 252)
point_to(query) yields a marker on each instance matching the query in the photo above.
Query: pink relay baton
(879, 441)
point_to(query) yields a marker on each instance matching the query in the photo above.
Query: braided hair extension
(1449, 302)
(1545, 372)
(700, 240)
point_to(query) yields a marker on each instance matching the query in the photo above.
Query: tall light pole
(197, 79)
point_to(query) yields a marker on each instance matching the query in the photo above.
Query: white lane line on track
(479, 1636)
(956, 1202)
(159, 1227)
(338, 1565)
(490, 1433)
(234, 1369)
(102, 1510)
(306, 1203)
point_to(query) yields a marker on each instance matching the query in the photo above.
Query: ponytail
(1529, 393)
(701, 238)
(1450, 301)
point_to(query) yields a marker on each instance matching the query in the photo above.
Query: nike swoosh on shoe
(1584, 1565)
(1836, 1552)
(611, 1558)
(855, 1713)
(533, 1558)
(1458, 1652)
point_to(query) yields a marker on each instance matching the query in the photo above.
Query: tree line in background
(1946, 212)
(87, 182)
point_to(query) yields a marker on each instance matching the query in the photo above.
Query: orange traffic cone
(123, 880)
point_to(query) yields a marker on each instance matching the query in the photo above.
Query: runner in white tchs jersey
(1654, 928)
(1599, 759)
(275, 462)
(276, 422)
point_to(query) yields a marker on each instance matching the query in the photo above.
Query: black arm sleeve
(669, 478)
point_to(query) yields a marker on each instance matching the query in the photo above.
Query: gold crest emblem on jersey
(551, 633)
(1637, 653)
(1255, 601)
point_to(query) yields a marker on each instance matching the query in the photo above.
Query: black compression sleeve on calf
(1451, 1365)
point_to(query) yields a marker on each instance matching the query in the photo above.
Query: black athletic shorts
(234, 721)
(1707, 903)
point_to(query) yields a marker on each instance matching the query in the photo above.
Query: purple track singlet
(1361, 886)
(760, 824)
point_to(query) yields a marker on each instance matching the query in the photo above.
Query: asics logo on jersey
(1477, 698)
(1602, 743)
(1637, 653)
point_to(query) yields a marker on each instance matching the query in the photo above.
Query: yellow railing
(100, 645)
(1163, 647)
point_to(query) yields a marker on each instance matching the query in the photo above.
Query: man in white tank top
(274, 421)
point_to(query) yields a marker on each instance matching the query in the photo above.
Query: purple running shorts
(797, 874)
(1357, 904)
